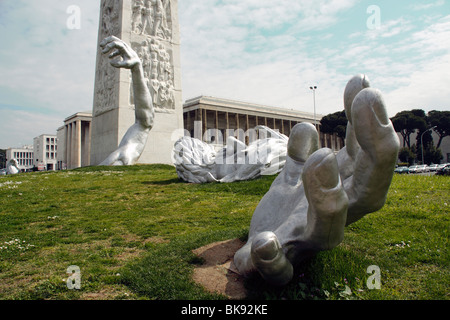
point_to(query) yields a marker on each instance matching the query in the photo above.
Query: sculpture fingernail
(379, 109)
(303, 141)
(266, 249)
(321, 170)
(353, 87)
(327, 172)
(370, 99)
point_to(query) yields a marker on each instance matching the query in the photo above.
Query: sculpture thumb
(269, 259)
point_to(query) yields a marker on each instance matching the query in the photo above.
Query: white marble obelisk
(151, 28)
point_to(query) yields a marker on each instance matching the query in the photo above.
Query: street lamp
(421, 139)
(314, 97)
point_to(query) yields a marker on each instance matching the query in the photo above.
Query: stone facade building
(209, 117)
(74, 141)
(45, 152)
(24, 156)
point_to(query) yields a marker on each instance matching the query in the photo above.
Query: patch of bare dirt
(218, 274)
(107, 293)
(156, 240)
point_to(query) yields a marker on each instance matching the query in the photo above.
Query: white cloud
(427, 88)
(410, 65)
(233, 57)
(387, 29)
(44, 64)
(20, 127)
(432, 40)
(257, 51)
(47, 52)
(426, 84)
(420, 7)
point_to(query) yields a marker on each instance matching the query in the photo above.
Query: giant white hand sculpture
(134, 140)
(12, 167)
(317, 193)
(198, 162)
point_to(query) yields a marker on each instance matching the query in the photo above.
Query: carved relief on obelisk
(152, 17)
(151, 28)
(152, 23)
(106, 78)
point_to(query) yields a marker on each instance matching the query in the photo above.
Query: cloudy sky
(259, 51)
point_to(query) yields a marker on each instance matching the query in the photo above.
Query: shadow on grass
(323, 276)
(163, 182)
(165, 273)
(137, 167)
(239, 187)
(258, 186)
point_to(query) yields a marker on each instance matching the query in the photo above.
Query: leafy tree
(431, 154)
(335, 123)
(440, 119)
(2, 158)
(407, 122)
(406, 155)
(427, 139)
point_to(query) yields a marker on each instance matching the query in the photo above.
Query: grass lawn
(131, 231)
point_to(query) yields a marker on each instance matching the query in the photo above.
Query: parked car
(444, 171)
(402, 169)
(433, 167)
(422, 168)
(412, 169)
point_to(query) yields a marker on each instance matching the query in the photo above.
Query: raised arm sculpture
(317, 193)
(134, 140)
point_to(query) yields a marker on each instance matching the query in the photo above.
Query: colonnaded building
(203, 116)
(74, 141)
(208, 117)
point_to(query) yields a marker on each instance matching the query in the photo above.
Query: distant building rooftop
(236, 106)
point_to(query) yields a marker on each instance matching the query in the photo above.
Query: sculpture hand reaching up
(135, 139)
(127, 57)
(317, 193)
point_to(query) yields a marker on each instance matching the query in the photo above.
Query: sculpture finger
(119, 63)
(303, 141)
(119, 45)
(114, 54)
(353, 87)
(327, 201)
(375, 161)
(269, 259)
(108, 40)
